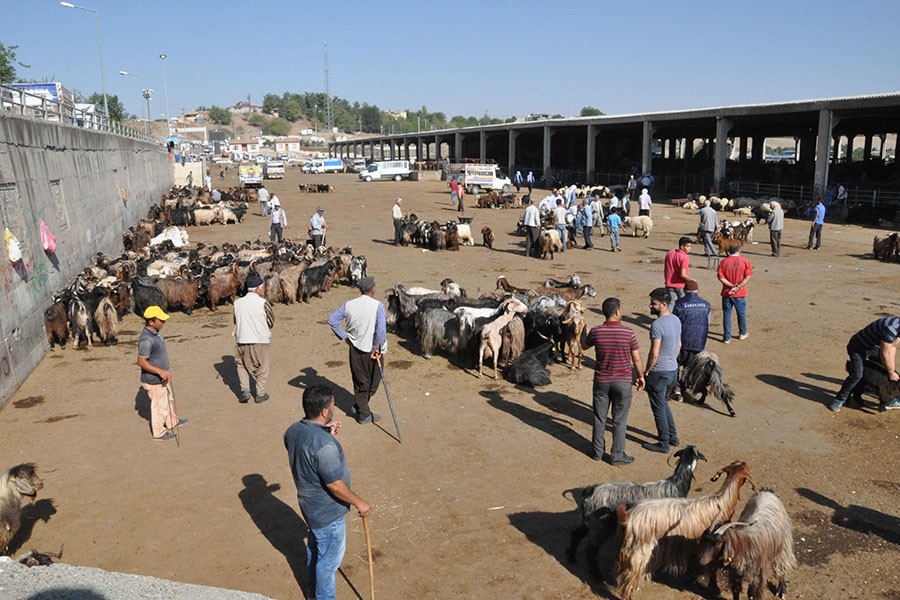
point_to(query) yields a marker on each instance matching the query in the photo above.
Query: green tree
(277, 126)
(219, 116)
(590, 111)
(257, 120)
(291, 110)
(271, 103)
(8, 63)
(116, 110)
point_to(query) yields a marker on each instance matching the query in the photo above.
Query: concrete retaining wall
(88, 187)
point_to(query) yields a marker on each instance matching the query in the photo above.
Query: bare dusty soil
(470, 504)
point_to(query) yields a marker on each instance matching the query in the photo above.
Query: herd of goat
(188, 277)
(660, 530)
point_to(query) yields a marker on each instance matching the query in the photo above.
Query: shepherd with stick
(322, 478)
(156, 379)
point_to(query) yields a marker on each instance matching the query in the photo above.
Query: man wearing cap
(278, 223)
(397, 215)
(317, 226)
(156, 379)
(531, 221)
(366, 334)
(253, 322)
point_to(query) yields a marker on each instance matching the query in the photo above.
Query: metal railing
(32, 105)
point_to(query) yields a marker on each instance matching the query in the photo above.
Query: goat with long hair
(17, 485)
(653, 533)
(597, 503)
(703, 374)
(759, 544)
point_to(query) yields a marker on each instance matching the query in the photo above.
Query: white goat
(491, 333)
(16, 484)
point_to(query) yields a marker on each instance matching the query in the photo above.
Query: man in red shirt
(734, 273)
(617, 352)
(676, 269)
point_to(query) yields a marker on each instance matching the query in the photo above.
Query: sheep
(56, 324)
(701, 374)
(16, 484)
(107, 322)
(572, 321)
(760, 543)
(550, 242)
(531, 368)
(743, 211)
(641, 223)
(464, 231)
(597, 503)
(645, 527)
(487, 237)
(491, 337)
(573, 281)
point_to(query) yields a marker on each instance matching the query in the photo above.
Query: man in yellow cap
(153, 359)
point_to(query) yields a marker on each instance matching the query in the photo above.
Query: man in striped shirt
(878, 338)
(617, 352)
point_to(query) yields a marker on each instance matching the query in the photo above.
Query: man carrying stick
(156, 379)
(323, 488)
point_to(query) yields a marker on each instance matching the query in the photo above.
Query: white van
(359, 165)
(386, 169)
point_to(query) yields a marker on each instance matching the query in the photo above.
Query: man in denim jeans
(323, 488)
(662, 369)
(734, 273)
(879, 339)
(617, 351)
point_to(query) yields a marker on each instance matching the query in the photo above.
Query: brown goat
(504, 284)
(573, 325)
(56, 324)
(16, 484)
(106, 320)
(487, 237)
(649, 523)
(884, 249)
(179, 292)
(223, 285)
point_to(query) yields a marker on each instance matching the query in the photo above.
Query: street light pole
(100, 48)
(166, 88)
(147, 95)
(127, 74)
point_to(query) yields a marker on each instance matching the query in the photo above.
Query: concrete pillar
(867, 147)
(883, 138)
(687, 151)
(591, 158)
(758, 150)
(420, 153)
(391, 148)
(647, 148)
(743, 157)
(545, 163)
(823, 145)
(482, 145)
(850, 137)
(723, 126)
(511, 168)
(457, 145)
(437, 148)
(835, 148)
(673, 152)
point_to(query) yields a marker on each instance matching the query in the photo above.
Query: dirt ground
(470, 504)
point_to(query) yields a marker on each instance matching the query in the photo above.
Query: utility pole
(329, 108)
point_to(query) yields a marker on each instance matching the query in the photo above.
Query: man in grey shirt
(775, 221)
(709, 222)
(662, 369)
(156, 379)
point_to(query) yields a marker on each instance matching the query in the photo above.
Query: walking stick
(369, 552)
(390, 404)
(170, 397)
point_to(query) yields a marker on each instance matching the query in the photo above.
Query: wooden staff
(365, 521)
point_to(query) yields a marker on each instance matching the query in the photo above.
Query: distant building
(286, 145)
(396, 114)
(245, 108)
(198, 116)
(244, 146)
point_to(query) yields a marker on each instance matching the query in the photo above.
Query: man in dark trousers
(366, 334)
(879, 339)
(323, 488)
(617, 352)
(662, 369)
(694, 313)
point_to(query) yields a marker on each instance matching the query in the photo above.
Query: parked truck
(274, 169)
(250, 175)
(386, 169)
(482, 176)
(327, 165)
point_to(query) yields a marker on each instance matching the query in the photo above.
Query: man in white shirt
(559, 215)
(532, 223)
(397, 215)
(645, 203)
(253, 322)
(548, 203)
(263, 195)
(278, 222)
(317, 226)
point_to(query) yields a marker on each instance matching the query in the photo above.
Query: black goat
(703, 373)
(531, 368)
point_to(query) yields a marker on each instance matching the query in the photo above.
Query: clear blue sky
(466, 57)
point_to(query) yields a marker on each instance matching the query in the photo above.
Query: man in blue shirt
(816, 228)
(694, 313)
(323, 488)
(586, 217)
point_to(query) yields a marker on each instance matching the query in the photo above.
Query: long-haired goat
(491, 333)
(106, 320)
(653, 533)
(761, 543)
(597, 503)
(703, 374)
(438, 328)
(531, 368)
(16, 484)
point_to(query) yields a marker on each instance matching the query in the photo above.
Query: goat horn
(723, 528)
